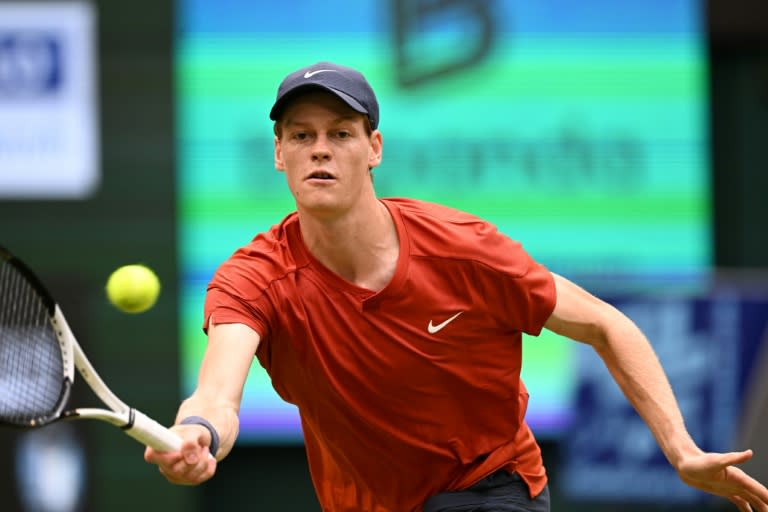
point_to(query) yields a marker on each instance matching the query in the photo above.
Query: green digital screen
(580, 130)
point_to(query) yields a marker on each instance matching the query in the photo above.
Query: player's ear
(279, 164)
(375, 151)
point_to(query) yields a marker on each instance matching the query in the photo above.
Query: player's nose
(320, 148)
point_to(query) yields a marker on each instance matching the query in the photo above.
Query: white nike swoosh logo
(310, 74)
(432, 329)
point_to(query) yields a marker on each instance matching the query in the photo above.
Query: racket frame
(133, 422)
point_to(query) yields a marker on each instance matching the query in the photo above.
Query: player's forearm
(220, 382)
(636, 369)
(223, 417)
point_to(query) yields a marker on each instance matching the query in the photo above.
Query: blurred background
(622, 143)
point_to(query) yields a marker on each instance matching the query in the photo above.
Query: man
(395, 327)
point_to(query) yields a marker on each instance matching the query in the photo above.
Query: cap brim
(280, 104)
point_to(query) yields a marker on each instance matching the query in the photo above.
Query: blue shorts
(499, 492)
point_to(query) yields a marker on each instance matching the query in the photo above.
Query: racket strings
(31, 367)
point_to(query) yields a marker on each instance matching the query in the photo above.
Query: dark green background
(75, 245)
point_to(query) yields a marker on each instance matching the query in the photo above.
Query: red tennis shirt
(405, 392)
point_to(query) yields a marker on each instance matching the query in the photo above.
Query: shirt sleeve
(536, 290)
(228, 309)
(521, 290)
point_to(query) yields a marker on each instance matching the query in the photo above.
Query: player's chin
(325, 196)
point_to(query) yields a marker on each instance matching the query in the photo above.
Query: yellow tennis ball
(133, 288)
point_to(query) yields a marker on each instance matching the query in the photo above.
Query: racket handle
(151, 433)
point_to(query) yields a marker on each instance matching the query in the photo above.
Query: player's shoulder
(439, 230)
(439, 221)
(265, 258)
(427, 209)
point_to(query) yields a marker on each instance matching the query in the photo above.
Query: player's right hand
(193, 464)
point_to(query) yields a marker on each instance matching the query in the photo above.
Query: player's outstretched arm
(629, 357)
(215, 402)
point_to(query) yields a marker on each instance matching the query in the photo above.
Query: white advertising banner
(49, 130)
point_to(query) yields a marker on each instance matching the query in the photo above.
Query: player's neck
(362, 247)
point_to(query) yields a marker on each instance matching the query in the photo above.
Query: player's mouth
(320, 176)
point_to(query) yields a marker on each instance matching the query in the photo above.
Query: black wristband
(199, 420)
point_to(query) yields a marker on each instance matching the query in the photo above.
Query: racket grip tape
(149, 432)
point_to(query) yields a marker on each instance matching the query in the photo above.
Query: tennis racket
(38, 357)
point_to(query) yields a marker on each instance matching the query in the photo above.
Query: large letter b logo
(437, 37)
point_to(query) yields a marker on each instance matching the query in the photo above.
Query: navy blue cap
(346, 83)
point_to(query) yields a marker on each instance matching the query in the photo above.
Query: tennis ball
(133, 288)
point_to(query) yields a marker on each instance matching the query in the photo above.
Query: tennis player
(394, 325)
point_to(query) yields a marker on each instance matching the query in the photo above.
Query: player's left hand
(716, 473)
